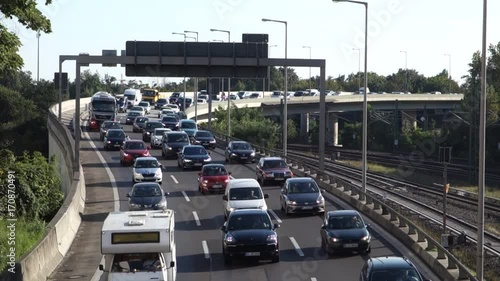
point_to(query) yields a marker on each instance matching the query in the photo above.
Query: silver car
(147, 169)
(157, 136)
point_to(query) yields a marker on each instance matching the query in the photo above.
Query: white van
(134, 97)
(243, 194)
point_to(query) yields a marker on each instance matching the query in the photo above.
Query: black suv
(239, 151)
(205, 138)
(106, 125)
(160, 103)
(173, 97)
(390, 268)
(149, 128)
(173, 142)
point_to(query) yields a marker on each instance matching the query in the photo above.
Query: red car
(213, 178)
(132, 149)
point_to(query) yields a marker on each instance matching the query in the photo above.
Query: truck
(151, 95)
(102, 108)
(139, 245)
(134, 97)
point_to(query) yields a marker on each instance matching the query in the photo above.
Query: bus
(151, 95)
(102, 107)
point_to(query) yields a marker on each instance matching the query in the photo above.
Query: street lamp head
(265, 20)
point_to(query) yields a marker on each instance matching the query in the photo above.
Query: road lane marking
(174, 179)
(185, 195)
(205, 249)
(314, 279)
(275, 216)
(297, 247)
(196, 218)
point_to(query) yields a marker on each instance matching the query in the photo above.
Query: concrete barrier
(48, 253)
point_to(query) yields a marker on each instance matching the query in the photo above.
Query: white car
(157, 136)
(234, 97)
(243, 194)
(139, 109)
(146, 106)
(173, 107)
(201, 101)
(165, 112)
(147, 169)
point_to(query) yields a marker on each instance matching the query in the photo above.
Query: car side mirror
(266, 195)
(223, 228)
(323, 226)
(322, 191)
(128, 195)
(230, 173)
(209, 152)
(101, 267)
(172, 264)
(276, 226)
(224, 197)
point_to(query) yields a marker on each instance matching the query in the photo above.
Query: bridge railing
(443, 262)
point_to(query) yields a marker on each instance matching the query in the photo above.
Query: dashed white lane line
(196, 218)
(185, 196)
(314, 279)
(205, 249)
(174, 179)
(297, 247)
(275, 216)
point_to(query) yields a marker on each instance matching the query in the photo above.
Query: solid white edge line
(297, 247)
(275, 216)
(205, 249)
(174, 179)
(196, 218)
(116, 198)
(185, 195)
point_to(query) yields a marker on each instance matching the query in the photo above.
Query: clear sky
(425, 29)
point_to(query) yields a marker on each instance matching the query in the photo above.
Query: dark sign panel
(138, 237)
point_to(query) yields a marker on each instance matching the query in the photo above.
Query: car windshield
(141, 120)
(137, 108)
(154, 125)
(166, 111)
(132, 114)
(270, 164)
(194, 151)
(160, 132)
(147, 191)
(214, 171)
(188, 125)
(395, 274)
(143, 104)
(202, 134)
(135, 145)
(246, 193)
(169, 119)
(241, 146)
(107, 125)
(161, 101)
(116, 134)
(147, 164)
(249, 221)
(145, 262)
(302, 187)
(178, 138)
(345, 222)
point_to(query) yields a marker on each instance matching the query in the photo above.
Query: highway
(198, 222)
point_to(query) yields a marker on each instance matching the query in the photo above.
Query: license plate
(243, 157)
(252, 254)
(117, 145)
(354, 245)
(217, 186)
(197, 164)
(307, 208)
(279, 179)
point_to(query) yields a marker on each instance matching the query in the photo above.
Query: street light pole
(228, 85)
(449, 72)
(406, 70)
(364, 166)
(195, 98)
(309, 47)
(285, 98)
(359, 66)
(38, 56)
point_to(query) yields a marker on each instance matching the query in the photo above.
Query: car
(164, 112)
(131, 115)
(106, 125)
(180, 103)
(171, 122)
(157, 136)
(234, 97)
(344, 231)
(250, 234)
(203, 96)
(160, 102)
(243, 194)
(213, 178)
(139, 109)
(201, 101)
(240, 151)
(147, 196)
(189, 126)
(149, 128)
(114, 138)
(390, 268)
(272, 169)
(277, 94)
(172, 143)
(173, 107)
(193, 156)
(205, 138)
(122, 104)
(147, 169)
(255, 96)
(146, 106)
(302, 195)
(131, 149)
(173, 97)
(139, 124)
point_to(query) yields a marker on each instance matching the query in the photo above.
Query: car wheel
(202, 190)
(286, 210)
(227, 259)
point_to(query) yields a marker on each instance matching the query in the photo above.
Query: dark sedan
(173, 142)
(114, 138)
(301, 195)
(139, 123)
(272, 169)
(345, 231)
(170, 122)
(249, 233)
(193, 156)
(147, 196)
(106, 125)
(205, 138)
(239, 151)
(390, 268)
(160, 103)
(149, 128)
(131, 117)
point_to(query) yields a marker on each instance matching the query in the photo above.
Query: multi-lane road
(198, 222)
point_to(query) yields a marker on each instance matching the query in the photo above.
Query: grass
(412, 176)
(27, 234)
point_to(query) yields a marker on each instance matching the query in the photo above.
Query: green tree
(26, 13)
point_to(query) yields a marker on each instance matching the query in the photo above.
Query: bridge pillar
(409, 119)
(304, 127)
(333, 129)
